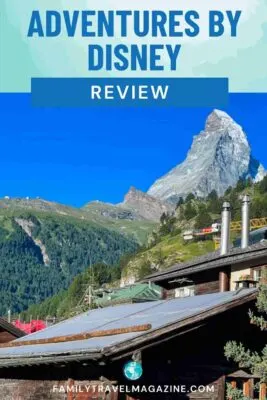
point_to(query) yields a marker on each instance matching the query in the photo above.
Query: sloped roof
(136, 292)
(10, 328)
(165, 316)
(253, 254)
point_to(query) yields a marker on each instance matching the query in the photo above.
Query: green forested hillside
(166, 245)
(41, 253)
(71, 301)
(106, 215)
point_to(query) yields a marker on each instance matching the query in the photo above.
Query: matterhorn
(220, 155)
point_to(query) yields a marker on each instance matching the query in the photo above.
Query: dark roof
(253, 254)
(10, 328)
(164, 316)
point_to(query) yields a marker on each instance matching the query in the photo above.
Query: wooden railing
(254, 224)
(248, 389)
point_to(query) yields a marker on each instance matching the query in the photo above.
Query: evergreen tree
(180, 202)
(145, 269)
(167, 224)
(228, 191)
(163, 218)
(214, 202)
(235, 205)
(189, 211)
(70, 246)
(249, 182)
(241, 185)
(203, 220)
(263, 185)
(259, 207)
(246, 358)
(189, 197)
(212, 195)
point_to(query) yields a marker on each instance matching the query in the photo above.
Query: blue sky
(77, 155)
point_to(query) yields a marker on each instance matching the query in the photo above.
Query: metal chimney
(245, 222)
(225, 231)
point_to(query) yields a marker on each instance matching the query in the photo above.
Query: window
(185, 291)
(257, 274)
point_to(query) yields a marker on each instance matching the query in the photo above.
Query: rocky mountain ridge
(219, 156)
(120, 219)
(146, 206)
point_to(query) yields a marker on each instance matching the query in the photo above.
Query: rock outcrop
(219, 156)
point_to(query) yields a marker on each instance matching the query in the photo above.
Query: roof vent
(225, 231)
(245, 222)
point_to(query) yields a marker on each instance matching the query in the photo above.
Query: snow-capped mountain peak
(219, 156)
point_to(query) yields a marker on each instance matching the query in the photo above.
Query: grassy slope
(139, 229)
(170, 250)
(92, 214)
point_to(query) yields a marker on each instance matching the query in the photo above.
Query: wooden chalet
(179, 342)
(220, 271)
(214, 272)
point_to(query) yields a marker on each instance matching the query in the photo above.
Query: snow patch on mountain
(219, 156)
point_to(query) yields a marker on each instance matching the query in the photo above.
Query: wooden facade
(186, 353)
(5, 336)
(191, 356)
(250, 257)
(203, 283)
(210, 281)
(8, 332)
(212, 276)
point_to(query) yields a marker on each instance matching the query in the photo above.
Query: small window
(257, 274)
(185, 291)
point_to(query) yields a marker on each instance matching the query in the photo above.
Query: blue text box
(130, 92)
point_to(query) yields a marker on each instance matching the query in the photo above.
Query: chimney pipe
(225, 231)
(245, 222)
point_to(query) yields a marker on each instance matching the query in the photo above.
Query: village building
(136, 293)
(214, 272)
(228, 268)
(177, 342)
